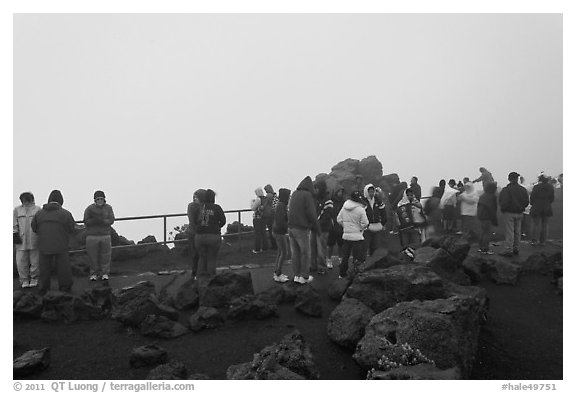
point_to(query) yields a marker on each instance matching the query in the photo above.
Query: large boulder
(347, 322)
(337, 288)
(169, 371)
(223, 288)
(57, 306)
(455, 246)
(27, 304)
(308, 301)
(442, 263)
(494, 268)
(148, 355)
(187, 296)
(444, 330)
(31, 362)
(277, 294)
(132, 304)
(380, 289)
(251, 307)
(380, 259)
(205, 318)
(162, 327)
(150, 245)
(289, 359)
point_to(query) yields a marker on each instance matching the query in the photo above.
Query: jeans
(318, 250)
(28, 262)
(194, 256)
(63, 269)
(485, 233)
(207, 245)
(99, 249)
(283, 249)
(260, 242)
(371, 241)
(539, 227)
(512, 230)
(300, 246)
(358, 251)
(268, 222)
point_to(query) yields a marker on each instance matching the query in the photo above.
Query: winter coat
(210, 219)
(353, 220)
(513, 198)
(280, 226)
(302, 207)
(468, 201)
(374, 208)
(53, 224)
(488, 208)
(257, 204)
(98, 219)
(23, 216)
(541, 199)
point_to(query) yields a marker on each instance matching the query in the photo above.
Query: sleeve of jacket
(15, 226)
(221, 217)
(70, 224)
(34, 223)
(364, 220)
(311, 214)
(340, 218)
(110, 219)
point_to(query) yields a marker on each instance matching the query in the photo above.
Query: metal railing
(164, 218)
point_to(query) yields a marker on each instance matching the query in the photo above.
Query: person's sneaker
(93, 277)
(256, 252)
(329, 264)
(25, 284)
(33, 283)
(309, 279)
(105, 277)
(280, 278)
(300, 280)
(481, 251)
(489, 252)
(507, 253)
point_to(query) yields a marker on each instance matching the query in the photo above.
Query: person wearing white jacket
(468, 208)
(353, 219)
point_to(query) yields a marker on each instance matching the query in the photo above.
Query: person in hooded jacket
(98, 218)
(280, 231)
(319, 242)
(268, 206)
(375, 212)
(335, 235)
(468, 207)
(27, 254)
(302, 220)
(211, 219)
(487, 213)
(257, 206)
(513, 200)
(541, 199)
(53, 224)
(354, 221)
(192, 212)
(416, 225)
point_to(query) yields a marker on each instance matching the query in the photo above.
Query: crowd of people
(314, 227)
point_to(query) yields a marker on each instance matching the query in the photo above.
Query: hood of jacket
(284, 195)
(306, 185)
(268, 188)
(51, 206)
(351, 205)
(259, 192)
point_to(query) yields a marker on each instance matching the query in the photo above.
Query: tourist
(354, 222)
(541, 199)
(208, 238)
(302, 220)
(268, 206)
(395, 197)
(487, 213)
(98, 218)
(193, 211)
(485, 178)
(448, 204)
(280, 232)
(433, 213)
(374, 211)
(468, 209)
(335, 235)
(27, 254)
(319, 242)
(53, 224)
(526, 227)
(513, 200)
(412, 221)
(260, 242)
(416, 187)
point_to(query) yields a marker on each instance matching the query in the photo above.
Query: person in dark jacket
(98, 218)
(513, 200)
(416, 187)
(485, 177)
(268, 206)
(541, 200)
(54, 225)
(302, 220)
(374, 212)
(280, 231)
(319, 242)
(335, 235)
(487, 214)
(208, 238)
(434, 213)
(193, 211)
(257, 206)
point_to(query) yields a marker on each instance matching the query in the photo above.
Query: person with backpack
(280, 231)
(208, 238)
(260, 242)
(268, 206)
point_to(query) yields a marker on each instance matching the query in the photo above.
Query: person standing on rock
(98, 218)
(193, 211)
(208, 237)
(541, 199)
(513, 200)
(257, 204)
(268, 206)
(354, 221)
(302, 220)
(27, 254)
(487, 213)
(416, 187)
(485, 178)
(53, 224)
(280, 231)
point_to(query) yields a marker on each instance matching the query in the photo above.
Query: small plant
(399, 355)
(178, 229)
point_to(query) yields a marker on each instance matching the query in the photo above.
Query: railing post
(239, 231)
(164, 229)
